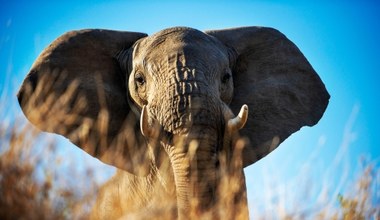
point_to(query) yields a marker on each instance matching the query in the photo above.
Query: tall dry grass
(31, 186)
(24, 196)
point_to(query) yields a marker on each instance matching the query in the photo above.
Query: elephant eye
(139, 79)
(226, 77)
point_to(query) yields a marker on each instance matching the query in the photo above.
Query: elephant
(177, 112)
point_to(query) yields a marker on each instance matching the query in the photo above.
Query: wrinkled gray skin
(189, 84)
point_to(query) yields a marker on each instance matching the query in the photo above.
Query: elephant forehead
(191, 43)
(178, 35)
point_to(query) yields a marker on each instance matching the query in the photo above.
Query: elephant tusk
(237, 123)
(146, 130)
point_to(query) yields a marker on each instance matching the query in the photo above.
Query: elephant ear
(276, 81)
(76, 88)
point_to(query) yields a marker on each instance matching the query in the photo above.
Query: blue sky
(340, 40)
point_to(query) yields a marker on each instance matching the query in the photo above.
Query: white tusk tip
(238, 122)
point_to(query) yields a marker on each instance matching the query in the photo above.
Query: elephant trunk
(190, 112)
(200, 134)
(194, 159)
(193, 152)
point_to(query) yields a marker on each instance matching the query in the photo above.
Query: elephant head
(128, 98)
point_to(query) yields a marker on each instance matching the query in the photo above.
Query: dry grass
(24, 196)
(30, 184)
(363, 201)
